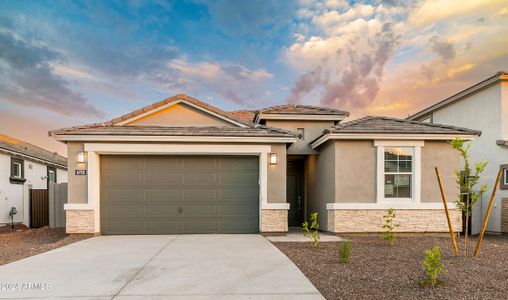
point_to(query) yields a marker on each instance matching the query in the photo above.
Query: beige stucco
(320, 182)
(180, 115)
(312, 130)
(77, 184)
(443, 156)
(355, 172)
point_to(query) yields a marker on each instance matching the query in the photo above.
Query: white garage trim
(96, 149)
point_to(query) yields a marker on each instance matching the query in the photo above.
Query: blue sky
(67, 63)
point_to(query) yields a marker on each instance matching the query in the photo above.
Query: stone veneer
(410, 220)
(80, 221)
(274, 220)
(504, 215)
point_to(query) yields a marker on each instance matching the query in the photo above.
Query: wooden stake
(455, 247)
(487, 216)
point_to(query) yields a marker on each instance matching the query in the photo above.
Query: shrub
(433, 267)
(312, 232)
(345, 251)
(389, 235)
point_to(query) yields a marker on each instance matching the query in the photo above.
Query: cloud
(442, 47)
(28, 78)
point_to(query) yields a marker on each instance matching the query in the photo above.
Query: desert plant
(345, 251)
(312, 232)
(433, 267)
(389, 226)
(467, 179)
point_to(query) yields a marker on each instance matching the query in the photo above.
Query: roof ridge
(51, 153)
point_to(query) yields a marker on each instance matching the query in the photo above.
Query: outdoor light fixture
(273, 158)
(81, 157)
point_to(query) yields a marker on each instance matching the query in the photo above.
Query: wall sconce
(273, 158)
(81, 157)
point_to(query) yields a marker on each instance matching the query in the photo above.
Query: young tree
(467, 179)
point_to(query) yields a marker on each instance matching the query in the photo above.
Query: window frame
(51, 169)
(415, 174)
(17, 179)
(503, 185)
(399, 173)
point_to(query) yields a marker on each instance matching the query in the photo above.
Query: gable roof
(244, 114)
(460, 95)
(28, 151)
(302, 110)
(379, 126)
(179, 98)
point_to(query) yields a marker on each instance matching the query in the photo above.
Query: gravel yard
(23, 242)
(377, 270)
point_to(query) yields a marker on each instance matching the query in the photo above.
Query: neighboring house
(23, 167)
(183, 166)
(483, 106)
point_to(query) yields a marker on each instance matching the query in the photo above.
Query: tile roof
(385, 125)
(176, 98)
(247, 115)
(25, 149)
(303, 110)
(112, 130)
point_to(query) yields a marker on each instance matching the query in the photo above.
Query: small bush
(433, 267)
(345, 251)
(389, 235)
(312, 232)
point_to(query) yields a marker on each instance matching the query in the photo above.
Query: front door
(294, 193)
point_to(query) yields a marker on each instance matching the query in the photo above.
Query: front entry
(294, 192)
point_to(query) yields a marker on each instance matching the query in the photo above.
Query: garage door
(179, 194)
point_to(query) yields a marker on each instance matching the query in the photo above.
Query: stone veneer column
(80, 221)
(274, 220)
(410, 220)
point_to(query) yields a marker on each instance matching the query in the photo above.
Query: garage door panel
(166, 211)
(161, 179)
(194, 179)
(169, 195)
(179, 194)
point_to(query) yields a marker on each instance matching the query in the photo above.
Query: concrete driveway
(156, 267)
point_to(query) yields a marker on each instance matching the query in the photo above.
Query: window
(301, 131)
(504, 177)
(51, 174)
(398, 172)
(17, 171)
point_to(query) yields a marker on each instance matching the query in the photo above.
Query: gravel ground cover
(377, 270)
(23, 242)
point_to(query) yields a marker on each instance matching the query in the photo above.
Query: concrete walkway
(156, 267)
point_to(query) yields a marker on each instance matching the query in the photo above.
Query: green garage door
(179, 194)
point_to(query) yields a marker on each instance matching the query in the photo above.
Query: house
(24, 167)
(184, 166)
(483, 106)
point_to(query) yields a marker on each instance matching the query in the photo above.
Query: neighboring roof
(247, 115)
(179, 97)
(259, 131)
(386, 125)
(303, 110)
(502, 143)
(459, 96)
(29, 151)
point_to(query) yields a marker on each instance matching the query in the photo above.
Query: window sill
(15, 180)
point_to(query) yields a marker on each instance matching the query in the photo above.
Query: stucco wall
(355, 172)
(277, 176)
(443, 156)
(180, 115)
(77, 192)
(312, 130)
(487, 111)
(320, 182)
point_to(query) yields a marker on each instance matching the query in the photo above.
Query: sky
(67, 63)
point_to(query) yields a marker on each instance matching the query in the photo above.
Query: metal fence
(39, 208)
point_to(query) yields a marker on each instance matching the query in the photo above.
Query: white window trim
(93, 167)
(20, 166)
(380, 173)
